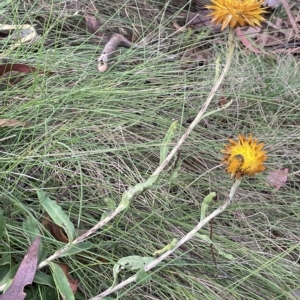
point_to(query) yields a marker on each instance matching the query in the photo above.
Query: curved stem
(161, 167)
(183, 240)
(204, 106)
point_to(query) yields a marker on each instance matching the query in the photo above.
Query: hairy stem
(183, 240)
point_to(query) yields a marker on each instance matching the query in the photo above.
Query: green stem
(204, 107)
(164, 163)
(183, 240)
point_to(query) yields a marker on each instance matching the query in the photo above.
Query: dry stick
(291, 18)
(163, 164)
(183, 240)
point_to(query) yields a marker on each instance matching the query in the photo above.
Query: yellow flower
(244, 157)
(237, 12)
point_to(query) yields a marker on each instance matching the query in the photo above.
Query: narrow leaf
(31, 228)
(23, 68)
(168, 247)
(61, 282)
(206, 202)
(45, 279)
(164, 149)
(2, 224)
(219, 249)
(130, 263)
(136, 191)
(56, 213)
(5, 259)
(4, 3)
(74, 249)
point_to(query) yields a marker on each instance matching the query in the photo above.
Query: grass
(92, 135)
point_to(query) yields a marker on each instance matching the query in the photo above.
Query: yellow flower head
(237, 12)
(244, 157)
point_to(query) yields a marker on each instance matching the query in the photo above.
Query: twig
(183, 240)
(291, 18)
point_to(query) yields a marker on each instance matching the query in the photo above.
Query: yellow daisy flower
(244, 157)
(237, 12)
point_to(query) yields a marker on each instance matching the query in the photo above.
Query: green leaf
(2, 224)
(136, 191)
(168, 247)
(7, 279)
(5, 259)
(31, 228)
(56, 213)
(206, 202)
(164, 148)
(4, 270)
(61, 282)
(142, 277)
(110, 203)
(4, 3)
(74, 249)
(222, 252)
(219, 249)
(45, 279)
(130, 263)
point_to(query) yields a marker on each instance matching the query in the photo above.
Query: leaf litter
(25, 273)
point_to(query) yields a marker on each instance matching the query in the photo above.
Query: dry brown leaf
(241, 35)
(199, 19)
(55, 230)
(11, 123)
(23, 68)
(278, 178)
(25, 273)
(73, 282)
